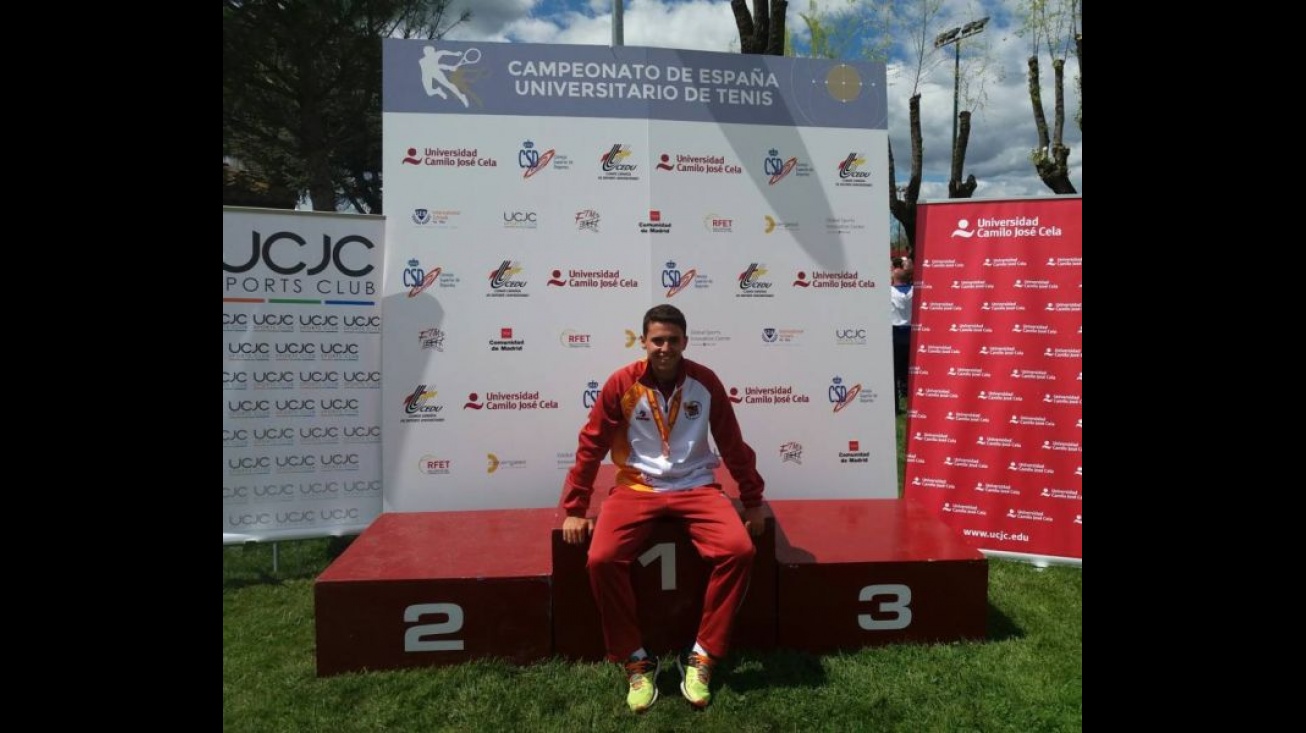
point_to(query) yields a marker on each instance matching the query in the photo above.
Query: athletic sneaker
(695, 677)
(643, 677)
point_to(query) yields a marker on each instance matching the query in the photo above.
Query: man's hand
(576, 530)
(755, 520)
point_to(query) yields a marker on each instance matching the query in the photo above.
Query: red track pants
(623, 526)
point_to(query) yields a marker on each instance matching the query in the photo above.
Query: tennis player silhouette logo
(437, 83)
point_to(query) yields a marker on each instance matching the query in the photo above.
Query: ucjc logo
(674, 281)
(776, 167)
(531, 160)
(840, 395)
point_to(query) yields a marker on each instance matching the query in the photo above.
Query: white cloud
(1002, 129)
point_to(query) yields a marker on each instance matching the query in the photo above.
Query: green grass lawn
(1026, 676)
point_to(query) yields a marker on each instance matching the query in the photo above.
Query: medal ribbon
(664, 422)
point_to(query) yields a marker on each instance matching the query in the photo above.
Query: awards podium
(435, 588)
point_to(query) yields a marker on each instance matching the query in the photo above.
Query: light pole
(953, 36)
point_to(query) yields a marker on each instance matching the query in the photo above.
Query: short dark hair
(665, 313)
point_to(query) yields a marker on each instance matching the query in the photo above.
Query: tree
(1053, 26)
(301, 91)
(916, 19)
(764, 30)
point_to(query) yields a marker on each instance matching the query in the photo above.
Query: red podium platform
(669, 579)
(871, 572)
(434, 588)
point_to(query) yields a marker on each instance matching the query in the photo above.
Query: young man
(655, 415)
(900, 299)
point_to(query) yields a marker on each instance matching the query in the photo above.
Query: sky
(1002, 124)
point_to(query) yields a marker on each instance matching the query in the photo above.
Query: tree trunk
(1051, 156)
(957, 189)
(764, 30)
(903, 207)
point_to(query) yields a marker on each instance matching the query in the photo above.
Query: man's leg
(720, 538)
(623, 526)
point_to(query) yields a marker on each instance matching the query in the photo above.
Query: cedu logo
(850, 173)
(499, 277)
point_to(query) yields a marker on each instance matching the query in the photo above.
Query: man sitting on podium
(654, 415)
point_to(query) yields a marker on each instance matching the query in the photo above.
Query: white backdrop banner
(301, 373)
(542, 197)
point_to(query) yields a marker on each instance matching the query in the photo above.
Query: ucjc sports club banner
(301, 374)
(995, 432)
(541, 198)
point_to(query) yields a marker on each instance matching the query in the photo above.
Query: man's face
(664, 343)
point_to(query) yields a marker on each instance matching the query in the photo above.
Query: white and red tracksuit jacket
(628, 419)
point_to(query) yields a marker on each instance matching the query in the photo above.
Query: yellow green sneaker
(695, 677)
(643, 677)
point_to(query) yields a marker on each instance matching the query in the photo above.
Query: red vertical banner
(995, 427)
